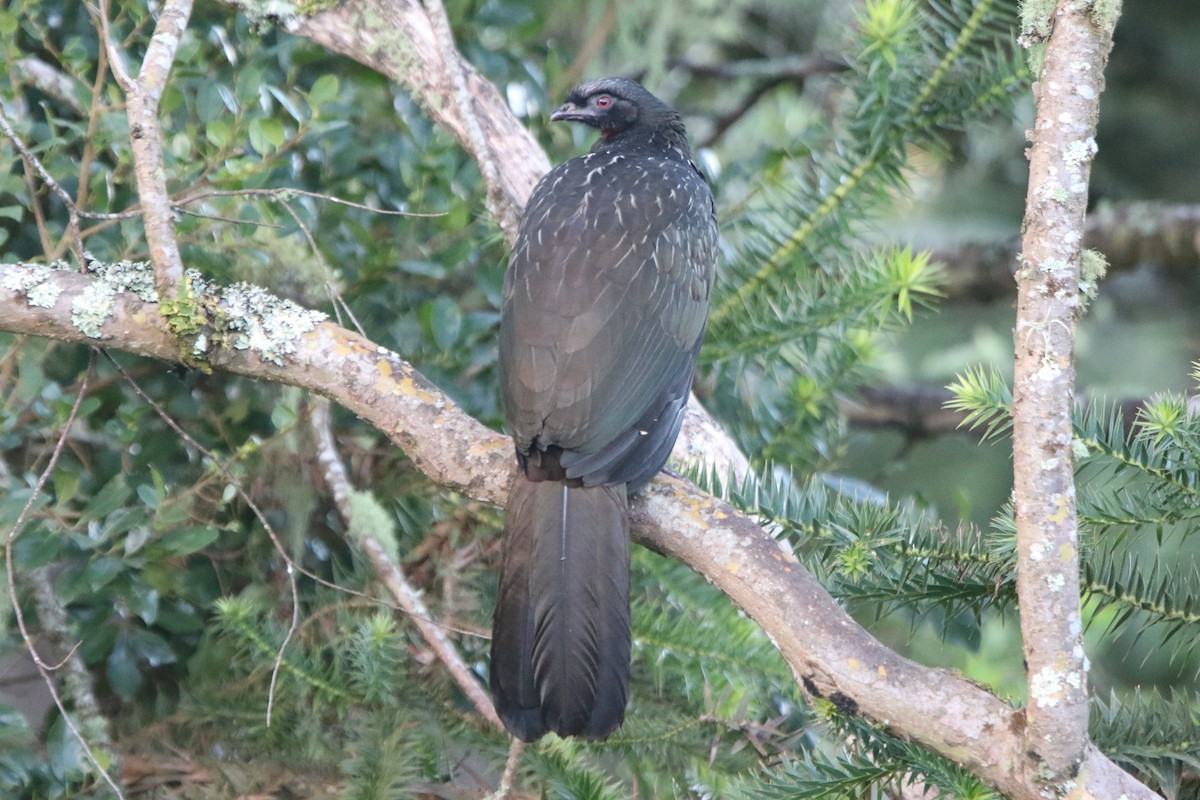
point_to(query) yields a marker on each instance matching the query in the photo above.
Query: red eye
(603, 101)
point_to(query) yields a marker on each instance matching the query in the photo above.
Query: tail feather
(560, 639)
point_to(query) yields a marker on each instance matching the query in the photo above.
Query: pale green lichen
(1093, 266)
(248, 317)
(92, 308)
(33, 281)
(94, 305)
(1078, 152)
(44, 295)
(20, 279)
(370, 520)
(126, 276)
(1105, 14)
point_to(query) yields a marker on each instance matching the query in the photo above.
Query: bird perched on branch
(605, 303)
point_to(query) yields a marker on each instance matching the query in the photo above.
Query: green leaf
(101, 571)
(36, 548)
(324, 90)
(66, 485)
(443, 321)
(149, 495)
(122, 669)
(111, 497)
(188, 540)
(266, 134)
(218, 132)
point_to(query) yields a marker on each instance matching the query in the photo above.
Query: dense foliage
(185, 537)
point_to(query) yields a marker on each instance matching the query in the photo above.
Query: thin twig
(28, 155)
(290, 566)
(388, 571)
(32, 161)
(79, 680)
(285, 192)
(515, 748)
(115, 57)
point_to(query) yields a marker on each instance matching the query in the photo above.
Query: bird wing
(605, 301)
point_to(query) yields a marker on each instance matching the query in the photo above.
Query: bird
(603, 311)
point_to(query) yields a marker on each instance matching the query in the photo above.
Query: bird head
(616, 105)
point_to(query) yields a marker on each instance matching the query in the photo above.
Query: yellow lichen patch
(733, 567)
(1066, 551)
(853, 663)
(882, 670)
(408, 386)
(489, 446)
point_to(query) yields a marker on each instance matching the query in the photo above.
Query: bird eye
(603, 101)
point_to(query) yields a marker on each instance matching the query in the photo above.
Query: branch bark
(829, 653)
(145, 135)
(920, 411)
(1067, 97)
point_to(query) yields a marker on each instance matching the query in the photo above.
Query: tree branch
(1067, 97)
(828, 652)
(145, 136)
(503, 207)
(1128, 235)
(389, 572)
(920, 411)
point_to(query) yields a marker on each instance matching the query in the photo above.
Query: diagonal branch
(388, 570)
(503, 208)
(1067, 97)
(828, 652)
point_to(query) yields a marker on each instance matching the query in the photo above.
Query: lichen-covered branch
(828, 652)
(1048, 301)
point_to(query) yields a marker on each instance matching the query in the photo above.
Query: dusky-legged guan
(605, 303)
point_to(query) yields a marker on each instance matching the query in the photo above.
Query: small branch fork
(1067, 96)
(143, 95)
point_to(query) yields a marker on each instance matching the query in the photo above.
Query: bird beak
(568, 111)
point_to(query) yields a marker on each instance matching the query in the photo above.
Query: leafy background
(830, 190)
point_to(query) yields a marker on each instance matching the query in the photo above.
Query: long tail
(560, 636)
